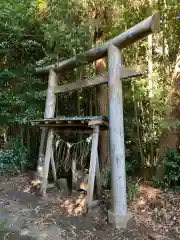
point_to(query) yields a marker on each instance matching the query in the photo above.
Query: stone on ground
(62, 184)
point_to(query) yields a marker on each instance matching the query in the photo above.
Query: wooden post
(51, 97)
(47, 161)
(49, 113)
(98, 178)
(53, 166)
(42, 151)
(74, 174)
(116, 126)
(93, 164)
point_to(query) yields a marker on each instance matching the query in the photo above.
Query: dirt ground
(24, 216)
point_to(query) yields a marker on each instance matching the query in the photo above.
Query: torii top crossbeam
(139, 31)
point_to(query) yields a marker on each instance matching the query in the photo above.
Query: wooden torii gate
(116, 72)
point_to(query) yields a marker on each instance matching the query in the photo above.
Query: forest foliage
(40, 32)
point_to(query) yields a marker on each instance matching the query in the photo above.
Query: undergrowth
(132, 184)
(14, 158)
(170, 166)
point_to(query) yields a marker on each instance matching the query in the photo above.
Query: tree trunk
(28, 140)
(101, 100)
(102, 110)
(137, 126)
(78, 77)
(150, 92)
(90, 94)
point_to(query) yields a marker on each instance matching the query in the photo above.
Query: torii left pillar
(45, 150)
(118, 215)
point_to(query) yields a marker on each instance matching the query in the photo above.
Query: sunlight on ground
(74, 206)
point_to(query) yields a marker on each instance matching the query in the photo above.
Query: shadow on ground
(14, 236)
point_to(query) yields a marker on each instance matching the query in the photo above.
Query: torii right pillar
(118, 215)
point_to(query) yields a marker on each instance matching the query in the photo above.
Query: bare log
(139, 31)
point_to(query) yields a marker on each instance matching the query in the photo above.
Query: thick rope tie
(66, 153)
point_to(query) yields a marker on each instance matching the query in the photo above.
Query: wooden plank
(98, 122)
(78, 121)
(74, 119)
(73, 126)
(76, 129)
(95, 122)
(69, 130)
(46, 162)
(92, 168)
(53, 166)
(99, 79)
(139, 31)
